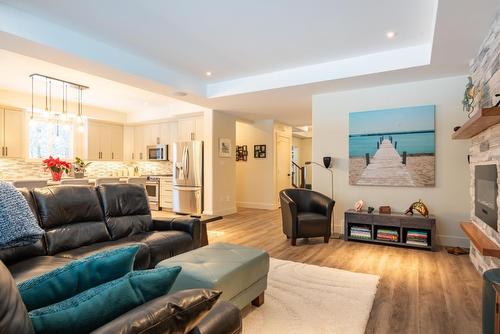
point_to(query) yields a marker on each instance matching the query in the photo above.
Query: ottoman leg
(294, 241)
(326, 239)
(259, 300)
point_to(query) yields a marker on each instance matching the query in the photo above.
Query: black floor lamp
(327, 164)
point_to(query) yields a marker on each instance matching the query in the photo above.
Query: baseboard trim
(452, 240)
(225, 212)
(257, 205)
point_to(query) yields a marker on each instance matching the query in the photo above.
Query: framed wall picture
(392, 147)
(241, 153)
(225, 147)
(259, 151)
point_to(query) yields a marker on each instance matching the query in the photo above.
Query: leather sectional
(82, 220)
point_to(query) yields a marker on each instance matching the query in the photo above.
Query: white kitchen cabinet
(166, 192)
(190, 129)
(93, 141)
(153, 134)
(139, 143)
(105, 142)
(128, 143)
(11, 133)
(168, 133)
(116, 133)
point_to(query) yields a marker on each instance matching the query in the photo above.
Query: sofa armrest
(178, 312)
(223, 318)
(184, 224)
(288, 215)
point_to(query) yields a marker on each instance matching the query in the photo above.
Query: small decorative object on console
(420, 207)
(358, 206)
(56, 167)
(385, 209)
(370, 209)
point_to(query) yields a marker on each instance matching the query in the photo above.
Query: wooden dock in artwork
(386, 168)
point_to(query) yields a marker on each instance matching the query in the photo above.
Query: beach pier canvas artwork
(392, 147)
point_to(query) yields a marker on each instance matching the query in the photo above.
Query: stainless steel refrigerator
(187, 191)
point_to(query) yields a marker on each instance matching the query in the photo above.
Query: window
(50, 137)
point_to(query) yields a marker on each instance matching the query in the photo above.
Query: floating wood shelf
(483, 244)
(479, 122)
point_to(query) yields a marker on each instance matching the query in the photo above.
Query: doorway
(283, 163)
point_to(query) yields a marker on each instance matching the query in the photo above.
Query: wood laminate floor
(419, 292)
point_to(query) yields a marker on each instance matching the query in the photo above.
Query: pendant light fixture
(48, 97)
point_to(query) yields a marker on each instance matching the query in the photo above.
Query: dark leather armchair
(306, 214)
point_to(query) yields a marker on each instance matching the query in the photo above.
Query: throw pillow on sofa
(18, 225)
(77, 276)
(97, 306)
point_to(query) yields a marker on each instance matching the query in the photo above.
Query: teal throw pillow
(93, 308)
(77, 276)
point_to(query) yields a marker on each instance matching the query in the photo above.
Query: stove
(153, 191)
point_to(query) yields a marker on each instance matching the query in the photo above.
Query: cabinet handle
(6, 151)
(132, 156)
(140, 156)
(112, 155)
(3, 151)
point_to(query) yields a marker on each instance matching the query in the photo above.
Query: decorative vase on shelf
(56, 176)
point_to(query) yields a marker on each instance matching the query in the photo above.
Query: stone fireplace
(485, 149)
(485, 146)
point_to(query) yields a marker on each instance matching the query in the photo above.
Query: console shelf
(482, 120)
(396, 221)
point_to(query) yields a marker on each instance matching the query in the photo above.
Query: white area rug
(303, 298)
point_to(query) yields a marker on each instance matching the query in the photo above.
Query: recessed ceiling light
(208, 73)
(180, 94)
(391, 34)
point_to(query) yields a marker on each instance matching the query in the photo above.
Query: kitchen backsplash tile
(21, 169)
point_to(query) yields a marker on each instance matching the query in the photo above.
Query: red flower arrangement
(57, 167)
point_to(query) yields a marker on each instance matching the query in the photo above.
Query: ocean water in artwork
(413, 143)
(394, 147)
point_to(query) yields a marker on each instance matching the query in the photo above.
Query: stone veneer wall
(485, 68)
(485, 73)
(21, 169)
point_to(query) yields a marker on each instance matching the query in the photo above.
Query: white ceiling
(240, 38)
(268, 57)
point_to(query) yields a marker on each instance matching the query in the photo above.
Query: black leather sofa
(306, 214)
(82, 220)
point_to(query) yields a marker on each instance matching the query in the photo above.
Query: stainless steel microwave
(157, 152)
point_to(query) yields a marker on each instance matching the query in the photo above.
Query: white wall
(255, 177)
(219, 172)
(448, 200)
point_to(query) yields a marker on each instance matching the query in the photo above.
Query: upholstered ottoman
(239, 272)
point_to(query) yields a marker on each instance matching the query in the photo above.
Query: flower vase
(56, 176)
